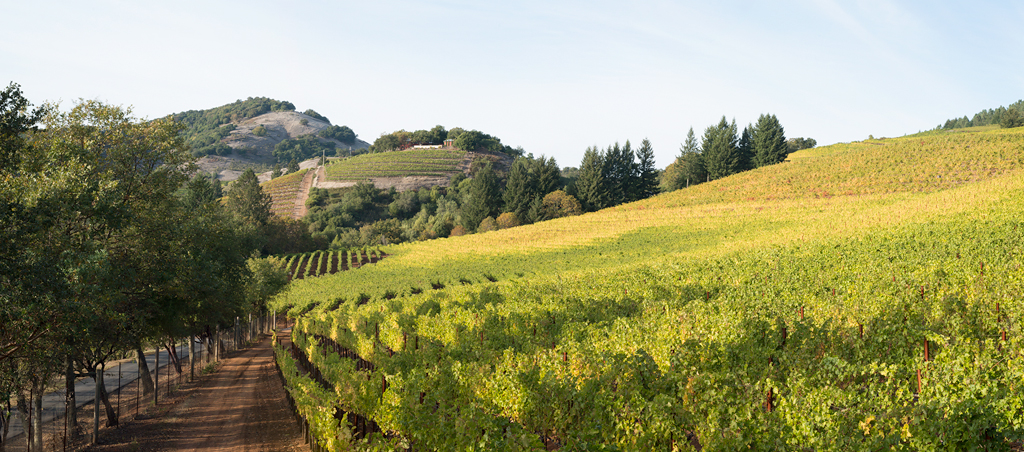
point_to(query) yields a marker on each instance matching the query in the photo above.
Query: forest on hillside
(1005, 117)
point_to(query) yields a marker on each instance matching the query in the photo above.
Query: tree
(769, 141)
(719, 150)
(341, 133)
(518, 188)
(796, 144)
(202, 189)
(646, 173)
(559, 204)
(487, 224)
(248, 201)
(1012, 118)
(590, 185)
(507, 220)
(483, 199)
(746, 149)
(313, 114)
(293, 166)
(619, 174)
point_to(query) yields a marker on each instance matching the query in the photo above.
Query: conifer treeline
(724, 151)
(1006, 117)
(616, 175)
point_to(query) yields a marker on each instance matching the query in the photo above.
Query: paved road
(53, 403)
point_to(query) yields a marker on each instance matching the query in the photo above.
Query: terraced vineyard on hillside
(415, 162)
(284, 190)
(861, 296)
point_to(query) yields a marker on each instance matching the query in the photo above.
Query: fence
(125, 390)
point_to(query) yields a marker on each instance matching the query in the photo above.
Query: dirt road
(241, 407)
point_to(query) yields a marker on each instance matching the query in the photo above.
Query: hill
(260, 132)
(858, 296)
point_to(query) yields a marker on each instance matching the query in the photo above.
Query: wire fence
(128, 397)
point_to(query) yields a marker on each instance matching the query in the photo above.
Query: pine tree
(293, 166)
(248, 201)
(746, 149)
(769, 141)
(692, 162)
(646, 174)
(483, 198)
(547, 176)
(590, 186)
(719, 149)
(518, 192)
(619, 174)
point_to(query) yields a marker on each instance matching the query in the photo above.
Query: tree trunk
(26, 423)
(72, 404)
(172, 351)
(103, 396)
(98, 378)
(37, 417)
(147, 379)
(5, 420)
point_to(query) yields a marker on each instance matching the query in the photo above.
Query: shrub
(260, 131)
(559, 204)
(488, 224)
(457, 231)
(507, 220)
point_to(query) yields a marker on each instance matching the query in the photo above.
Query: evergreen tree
(646, 174)
(293, 166)
(590, 186)
(719, 150)
(692, 162)
(769, 141)
(536, 212)
(619, 174)
(746, 149)
(483, 198)
(518, 191)
(200, 191)
(547, 176)
(528, 179)
(248, 201)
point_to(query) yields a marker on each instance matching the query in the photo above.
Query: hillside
(405, 170)
(285, 192)
(249, 134)
(835, 301)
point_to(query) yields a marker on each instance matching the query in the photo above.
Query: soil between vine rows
(240, 407)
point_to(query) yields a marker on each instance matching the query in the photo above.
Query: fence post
(156, 387)
(192, 357)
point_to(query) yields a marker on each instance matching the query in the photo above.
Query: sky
(551, 76)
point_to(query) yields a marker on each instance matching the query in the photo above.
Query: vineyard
(417, 162)
(284, 191)
(860, 296)
(320, 263)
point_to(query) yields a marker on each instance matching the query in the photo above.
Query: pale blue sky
(552, 77)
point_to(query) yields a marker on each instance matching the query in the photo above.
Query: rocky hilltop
(250, 149)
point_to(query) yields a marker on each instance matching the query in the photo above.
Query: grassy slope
(413, 162)
(836, 191)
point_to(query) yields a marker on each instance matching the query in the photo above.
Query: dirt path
(300, 198)
(239, 408)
